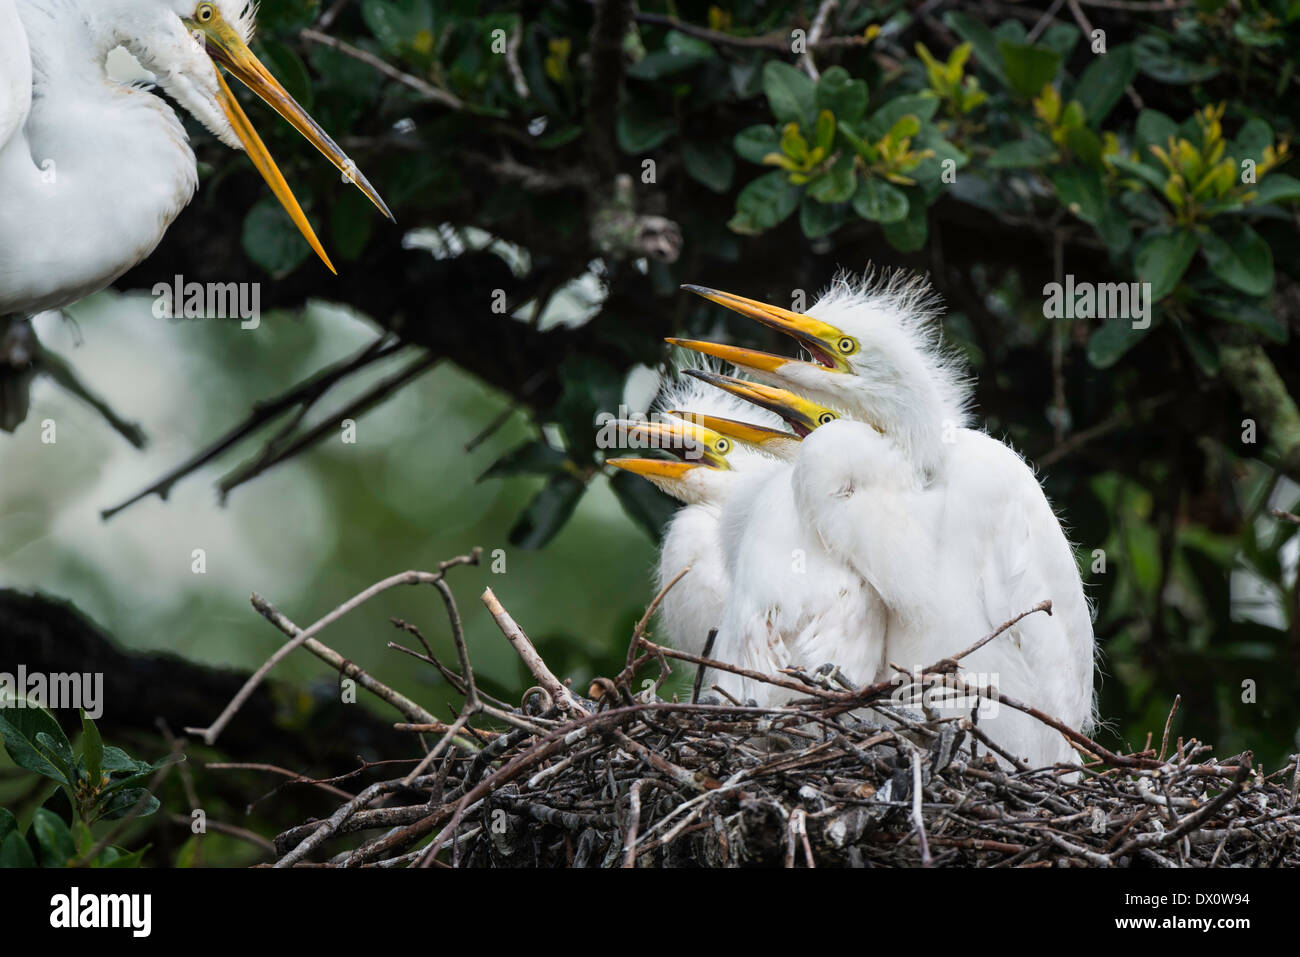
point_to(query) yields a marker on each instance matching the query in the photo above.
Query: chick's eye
(847, 345)
(204, 12)
(826, 417)
(723, 446)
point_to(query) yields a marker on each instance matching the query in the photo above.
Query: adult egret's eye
(847, 345)
(826, 417)
(204, 12)
(723, 446)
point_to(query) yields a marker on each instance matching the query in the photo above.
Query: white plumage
(694, 605)
(948, 527)
(93, 171)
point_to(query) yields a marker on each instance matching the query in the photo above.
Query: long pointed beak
(261, 157)
(737, 355)
(802, 415)
(820, 338)
(227, 48)
(666, 470)
(756, 435)
(689, 441)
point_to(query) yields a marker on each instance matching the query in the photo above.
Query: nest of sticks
(842, 776)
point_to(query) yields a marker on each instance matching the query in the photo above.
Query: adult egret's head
(874, 355)
(181, 42)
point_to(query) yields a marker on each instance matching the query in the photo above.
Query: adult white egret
(998, 548)
(92, 172)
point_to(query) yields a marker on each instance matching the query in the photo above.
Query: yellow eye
(205, 12)
(723, 446)
(847, 345)
(826, 417)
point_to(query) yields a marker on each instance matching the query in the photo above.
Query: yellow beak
(828, 344)
(756, 435)
(662, 469)
(228, 49)
(689, 441)
(736, 355)
(802, 415)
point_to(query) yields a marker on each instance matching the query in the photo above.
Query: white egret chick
(877, 359)
(716, 452)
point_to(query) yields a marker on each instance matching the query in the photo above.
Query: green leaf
(1111, 340)
(1255, 135)
(1239, 256)
(92, 749)
(53, 838)
(709, 163)
(1149, 175)
(1085, 145)
(1201, 348)
(764, 203)
(909, 234)
(1162, 259)
(272, 240)
(641, 127)
(837, 184)
(121, 804)
(790, 93)
(914, 104)
(8, 824)
(1155, 59)
(680, 52)
(21, 727)
(534, 457)
(397, 23)
(352, 222)
(819, 219)
(1022, 154)
(643, 502)
(1029, 67)
(14, 852)
(1232, 308)
(116, 761)
(981, 39)
(1103, 82)
(1154, 129)
(755, 142)
(880, 201)
(844, 96)
(143, 772)
(547, 513)
(1277, 188)
(1080, 191)
(120, 859)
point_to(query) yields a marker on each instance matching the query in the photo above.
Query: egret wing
(15, 72)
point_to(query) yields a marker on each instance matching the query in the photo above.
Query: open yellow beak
(666, 470)
(802, 415)
(736, 355)
(828, 345)
(228, 49)
(689, 441)
(755, 435)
